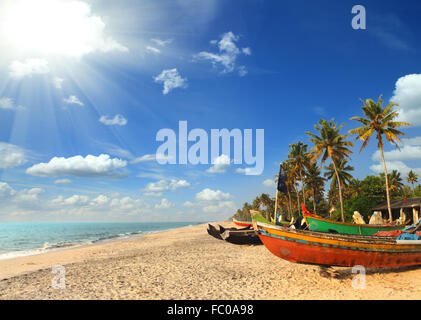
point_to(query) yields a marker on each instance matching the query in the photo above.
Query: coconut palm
(314, 180)
(380, 122)
(343, 170)
(412, 178)
(355, 188)
(299, 160)
(395, 181)
(330, 144)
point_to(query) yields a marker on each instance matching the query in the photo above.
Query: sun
(55, 27)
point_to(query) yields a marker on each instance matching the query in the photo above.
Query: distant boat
(244, 235)
(242, 223)
(240, 236)
(316, 223)
(308, 247)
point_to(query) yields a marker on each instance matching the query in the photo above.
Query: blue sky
(86, 85)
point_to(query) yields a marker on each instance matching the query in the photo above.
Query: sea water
(28, 238)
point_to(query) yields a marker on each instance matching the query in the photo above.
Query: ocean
(29, 238)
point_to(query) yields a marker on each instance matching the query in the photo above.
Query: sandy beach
(187, 263)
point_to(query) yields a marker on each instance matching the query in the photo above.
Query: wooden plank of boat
(309, 247)
(320, 224)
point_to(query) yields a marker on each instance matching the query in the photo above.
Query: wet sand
(187, 263)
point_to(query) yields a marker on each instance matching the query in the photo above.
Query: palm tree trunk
(302, 188)
(387, 185)
(340, 190)
(298, 201)
(314, 200)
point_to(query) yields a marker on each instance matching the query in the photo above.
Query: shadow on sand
(346, 273)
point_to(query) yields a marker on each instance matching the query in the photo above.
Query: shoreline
(76, 246)
(186, 263)
(53, 247)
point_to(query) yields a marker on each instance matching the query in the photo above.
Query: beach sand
(187, 263)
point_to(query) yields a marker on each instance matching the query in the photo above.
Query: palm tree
(299, 161)
(355, 188)
(314, 180)
(412, 178)
(380, 122)
(395, 181)
(330, 144)
(343, 169)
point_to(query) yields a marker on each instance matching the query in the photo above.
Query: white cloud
(149, 157)
(8, 104)
(269, 183)
(408, 95)
(76, 29)
(247, 51)
(394, 165)
(246, 171)
(118, 120)
(11, 155)
(153, 49)
(228, 53)
(63, 181)
(242, 71)
(58, 82)
(188, 204)
(78, 166)
(29, 67)
(164, 204)
(227, 206)
(6, 190)
(164, 185)
(100, 200)
(73, 100)
(220, 164)
(153, 194)
(160, 42)
(212, 195)
(407, 152)
(171, 80)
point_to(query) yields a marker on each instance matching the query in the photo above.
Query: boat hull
(309, 248)
(242, 223)
(323, 225)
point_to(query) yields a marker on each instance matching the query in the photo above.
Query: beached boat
(240, 236)
(309, 247)
(242, 223)
(316, 223)
(214, 232)
(257, 216)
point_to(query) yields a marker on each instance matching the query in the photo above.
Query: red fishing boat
(343, 250)
(242, 223)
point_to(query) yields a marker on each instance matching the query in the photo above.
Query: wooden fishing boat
(316, 223)
(242, 223)
(343, 250)
(214, 232)
(257, 216)
(240, 236)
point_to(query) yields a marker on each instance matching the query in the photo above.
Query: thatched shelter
(411, 207)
